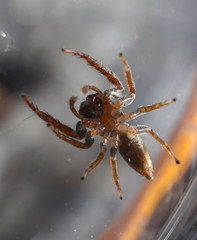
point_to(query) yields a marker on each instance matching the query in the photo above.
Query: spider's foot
(120, 194)
(82, 178)
(66, 50)
(25, 98)
(84, 175)
(177, 161)
(23, 95)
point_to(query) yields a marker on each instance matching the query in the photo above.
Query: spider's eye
(92, 107)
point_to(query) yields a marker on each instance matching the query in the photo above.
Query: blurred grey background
(41, 194)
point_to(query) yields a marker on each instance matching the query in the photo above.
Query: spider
(101, 115)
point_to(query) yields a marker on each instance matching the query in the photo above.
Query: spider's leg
(111, 76)
(113, 151)
(145, 129)
(100, 157)
(128, 74)
(88, 141)
(49, 119)
(144, 109)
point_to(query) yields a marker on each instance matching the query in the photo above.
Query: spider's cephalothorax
(100, 115)
(92, 107)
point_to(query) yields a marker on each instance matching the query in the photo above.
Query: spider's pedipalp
(81, 129)
(86, 88)
(111, 76)
(72, 101)
(145, 129)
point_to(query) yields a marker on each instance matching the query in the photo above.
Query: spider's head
(92, 107)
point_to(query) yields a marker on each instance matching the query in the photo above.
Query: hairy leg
(100, 157)
(128, 74)
(49, 119)
(145, 129)
(113, 164)
(144, 109)
(111, 76)
(88, 140)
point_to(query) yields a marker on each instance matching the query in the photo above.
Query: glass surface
(41, 194)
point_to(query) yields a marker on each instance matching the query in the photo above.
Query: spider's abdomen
(135, 154)
(92, 107)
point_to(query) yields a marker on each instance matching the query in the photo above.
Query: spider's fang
(120, 54)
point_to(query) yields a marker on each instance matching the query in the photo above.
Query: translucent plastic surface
(41, 194)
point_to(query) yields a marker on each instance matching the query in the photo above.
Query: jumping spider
(101, 115)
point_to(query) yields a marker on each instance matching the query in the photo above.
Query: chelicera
(101, 115)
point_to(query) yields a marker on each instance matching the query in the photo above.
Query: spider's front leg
(61, 130)
(128, 75)
(113, 164)
(88, 139)
(145, 129)
(51, 120)
(111, 76)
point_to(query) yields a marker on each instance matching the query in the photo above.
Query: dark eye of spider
(92, 107)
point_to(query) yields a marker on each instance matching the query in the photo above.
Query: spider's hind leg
(88, 140)
(113, 164)
(146, 129)
(50, 120)
(111, 76)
